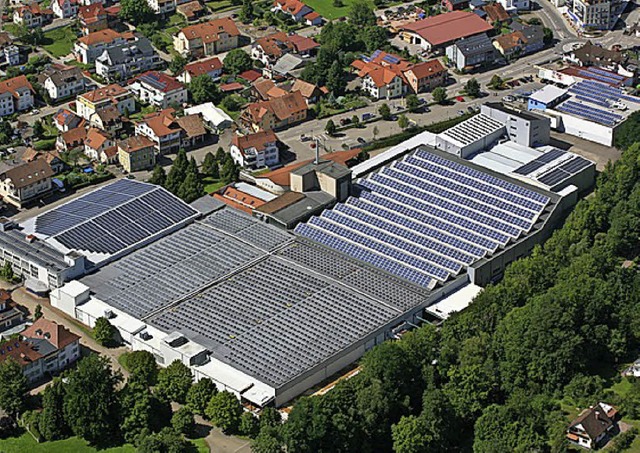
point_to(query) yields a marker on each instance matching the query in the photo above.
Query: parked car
(508, 98)
(345, 121)
(361, 140)
(367, 116)
(461, 112)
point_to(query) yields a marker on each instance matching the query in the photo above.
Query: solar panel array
(427, 218)
(276, 328)
(474, 128)
(564, 171)
(113, 217)
(590, 113)
(540, 162)
(602, 76)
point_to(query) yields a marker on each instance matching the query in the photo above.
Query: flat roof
(37, 251)
(547, 94)
(470, 131)
(260, 299)
(454, 302)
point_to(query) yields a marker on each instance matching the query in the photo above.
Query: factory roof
(262, 298)
(548, 94)
(472, 130)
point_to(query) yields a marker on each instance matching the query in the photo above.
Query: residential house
(276, 113)
(209, 66)
(88, 48)
(24, 182)
(191, 11)
(136, 153)
(425, 76)
(72, 139)
(62, 82)
(107, 119)
(96, 142)
(32, 15)
(633, 369)
(285, 67)
(194, 132)
(470, 53)
(16, 95)
(159, 89)
(162, 7)
(12, 54)
(496, 14)
(89, 2)
(162, 129)
(112, 95)
(590, 54)
(121, 61)
(593, 425)
(387, 76)
(65, 120)
(516, 5)
(533, 35)
(214, 118)
(297, 11)
(64, 9)
(45, 348)
(255, 150)
(455, 5)
(511, 45)
(270, 48)
(51, 157)
(209, 38)
(310, 92)
(266, 89)
(304, 46)
(10, 315)
(93, 18)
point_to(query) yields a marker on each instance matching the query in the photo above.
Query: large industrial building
(267, 313)
(589, 109)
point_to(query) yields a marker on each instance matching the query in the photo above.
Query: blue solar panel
(469, 191)
(454, 218)
(393, 267)
(539, 198)
(606, 73)
(385, 250)
(419, 220)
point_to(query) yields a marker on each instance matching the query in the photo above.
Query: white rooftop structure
(472, 130)
(548, 94)
(255, 191)
(211, 114)
(454, 302)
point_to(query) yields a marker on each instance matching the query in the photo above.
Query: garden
(59, 42)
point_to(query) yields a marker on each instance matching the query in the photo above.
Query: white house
(24, 182)
(159, 89)
(255, 150)
(16, 95)
(592, 426)
(209, 66)
(96, 143)
(162, 129)
(88, 48)
(64, 82)
(112, 95)
(64, 8)
(215, 118)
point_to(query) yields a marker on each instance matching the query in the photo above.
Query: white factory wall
(587, 130)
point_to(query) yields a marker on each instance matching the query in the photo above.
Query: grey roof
(38, 252)
(43, 346)
(474, 45)
(472, 130)
(287, 63)
(260, 299)
(300, 210)
(123, 53)
(327, 167)
(519, 113)
(531, 32)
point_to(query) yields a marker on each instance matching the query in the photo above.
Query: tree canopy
(237, 61)
(13, 386)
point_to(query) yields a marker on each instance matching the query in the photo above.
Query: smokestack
(317, 160)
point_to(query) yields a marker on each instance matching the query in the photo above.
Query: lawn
(59, 42)
(72, 445)
(220, 6)
(212, 185)
(326, 9)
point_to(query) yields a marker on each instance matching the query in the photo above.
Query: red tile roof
(259, 140)
(13, 85)
(135, 144)
(99, 37)
(201, 67)
(275, 44)
(233, 86)
(21, 351)
(302, 43)
(208, 32)
(447, 27)
(496, 12)
(427, 68)
(95, 138)
(109, 92)
(238, 199)
(251, 75)
(55, 333)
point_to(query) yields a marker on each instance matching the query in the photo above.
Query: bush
(249, 425)
(224, 411)
(623, 441)
(45, 145)
(104, 332)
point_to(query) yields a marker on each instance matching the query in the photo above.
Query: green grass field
(26, 443)
(212, 185)
(326, 9)
(59, 42)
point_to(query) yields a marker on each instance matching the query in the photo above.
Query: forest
(493, 377)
